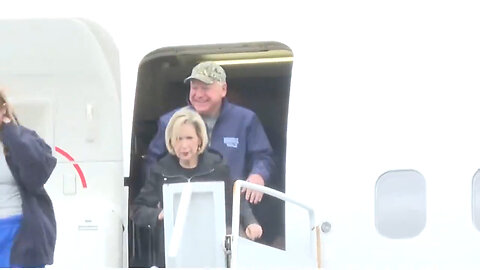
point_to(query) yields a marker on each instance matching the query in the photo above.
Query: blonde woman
(27, 221)
(186, 140)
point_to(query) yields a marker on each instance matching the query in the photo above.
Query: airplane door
(63, 80)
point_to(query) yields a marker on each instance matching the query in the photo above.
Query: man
(234, 131)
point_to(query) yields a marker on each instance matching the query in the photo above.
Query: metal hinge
(227, 248)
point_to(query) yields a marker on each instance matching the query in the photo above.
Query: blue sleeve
(157, 148)
(30, 157)
(259, 150)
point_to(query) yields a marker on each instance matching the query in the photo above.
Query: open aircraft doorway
(258, 77)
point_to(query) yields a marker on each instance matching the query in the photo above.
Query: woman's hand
(5, 109)
(4, 118)
(254, 231)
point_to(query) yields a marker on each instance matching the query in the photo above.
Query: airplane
(371, 108)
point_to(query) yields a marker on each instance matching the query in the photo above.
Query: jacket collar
(171, 166)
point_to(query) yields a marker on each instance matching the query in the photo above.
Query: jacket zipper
(191, 177)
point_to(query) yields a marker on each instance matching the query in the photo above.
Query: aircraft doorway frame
(258, 77)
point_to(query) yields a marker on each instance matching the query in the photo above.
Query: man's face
(207, 98)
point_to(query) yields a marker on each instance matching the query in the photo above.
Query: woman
(186, 140)
(27, 221)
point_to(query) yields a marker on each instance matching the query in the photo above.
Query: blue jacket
(31, 162)
(238, 135)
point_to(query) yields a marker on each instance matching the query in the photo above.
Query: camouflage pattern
(208, 72)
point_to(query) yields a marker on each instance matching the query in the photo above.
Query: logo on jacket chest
(231, 142)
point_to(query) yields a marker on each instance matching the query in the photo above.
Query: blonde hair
(186, 116)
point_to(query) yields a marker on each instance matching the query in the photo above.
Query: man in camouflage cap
(234, 131)
(208, 87)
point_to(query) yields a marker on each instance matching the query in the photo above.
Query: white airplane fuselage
(375, 88)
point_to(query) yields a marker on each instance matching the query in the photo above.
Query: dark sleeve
(259, 150)
(31, 157)
(246, 214)
(146, 206)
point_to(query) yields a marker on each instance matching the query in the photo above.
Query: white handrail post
(235, 220)
(180, 220)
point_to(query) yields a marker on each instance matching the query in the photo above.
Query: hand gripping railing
(239, 184)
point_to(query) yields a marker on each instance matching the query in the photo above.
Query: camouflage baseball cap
(208, 72)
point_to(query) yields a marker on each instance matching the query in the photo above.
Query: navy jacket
(31, 162)
(238, 135)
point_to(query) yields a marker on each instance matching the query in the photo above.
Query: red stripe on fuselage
(77, 168)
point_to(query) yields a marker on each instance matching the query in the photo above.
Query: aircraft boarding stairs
(195, 231)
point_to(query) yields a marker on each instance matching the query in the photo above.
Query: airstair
(195, 231)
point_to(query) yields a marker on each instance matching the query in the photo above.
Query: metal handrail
(274, 193)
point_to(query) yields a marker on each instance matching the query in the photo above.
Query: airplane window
(400, 204)
(476, 200)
